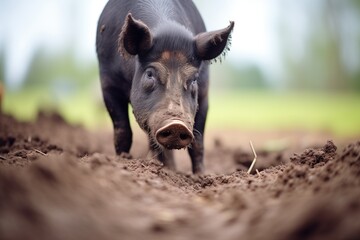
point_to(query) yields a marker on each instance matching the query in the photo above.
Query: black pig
(154, 54)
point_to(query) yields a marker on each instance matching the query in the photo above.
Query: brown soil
(59, 181)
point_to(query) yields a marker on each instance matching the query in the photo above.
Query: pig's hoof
(198, 170)
(125, 155)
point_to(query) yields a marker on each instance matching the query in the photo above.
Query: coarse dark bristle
(173, 37)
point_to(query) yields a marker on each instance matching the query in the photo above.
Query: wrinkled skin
(154, 55)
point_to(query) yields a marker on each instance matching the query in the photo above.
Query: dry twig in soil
(40, 152)
(255, 156)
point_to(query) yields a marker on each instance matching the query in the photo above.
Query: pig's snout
(174, 135)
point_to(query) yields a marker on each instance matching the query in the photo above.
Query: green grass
(84, 107)
(338, 113)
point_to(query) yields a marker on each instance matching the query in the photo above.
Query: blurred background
(292, 64)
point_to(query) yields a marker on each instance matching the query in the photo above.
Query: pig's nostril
(165, 133)
(184, 136)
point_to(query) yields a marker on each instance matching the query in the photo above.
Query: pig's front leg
(117, 107)
(163, 155)
(167, 157)
(196, 150)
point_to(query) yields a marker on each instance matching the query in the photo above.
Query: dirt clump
(59, 181)
(315, 157)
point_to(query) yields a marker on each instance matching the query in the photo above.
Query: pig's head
(164, 93)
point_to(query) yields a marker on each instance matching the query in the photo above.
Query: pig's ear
(210, 45)
(135, 37)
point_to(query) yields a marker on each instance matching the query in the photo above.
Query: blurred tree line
(56, 76)
(2, 66)
(319, 49)
(328, 56)
(324, 56)
(65, 73)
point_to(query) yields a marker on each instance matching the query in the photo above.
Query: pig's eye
(194, 85)
(195, 79)
(150, 73)
(149, 80)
